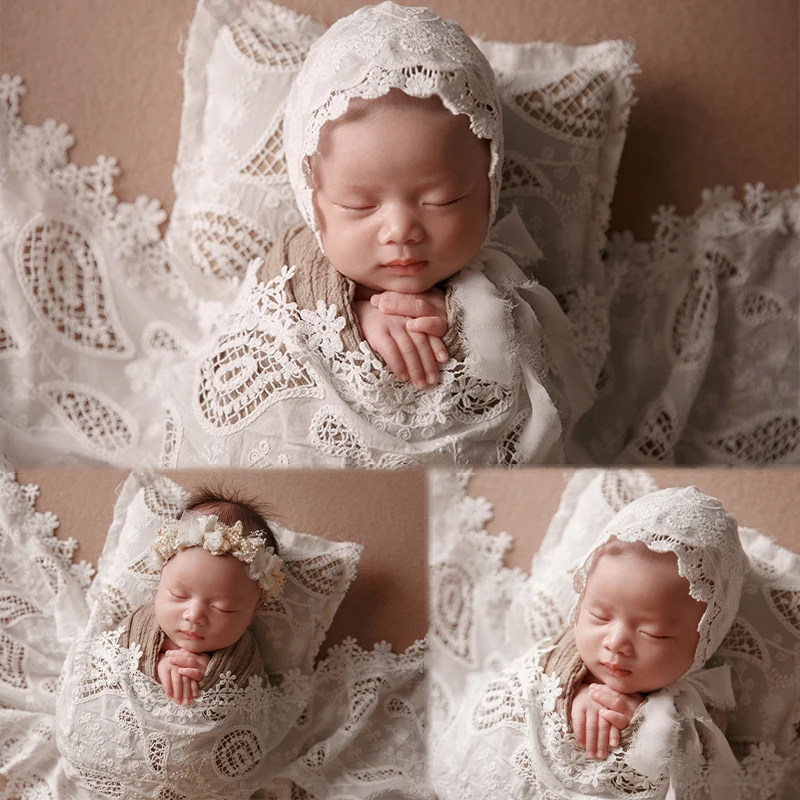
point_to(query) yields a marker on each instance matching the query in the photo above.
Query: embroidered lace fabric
(494, 730)
(691, 340)
(280, 378)
(342, 721)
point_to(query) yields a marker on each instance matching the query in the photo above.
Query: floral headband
(208, 532)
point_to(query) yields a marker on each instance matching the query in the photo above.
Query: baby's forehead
(195, 566)
(661, 567)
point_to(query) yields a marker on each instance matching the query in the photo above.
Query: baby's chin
(407, 281)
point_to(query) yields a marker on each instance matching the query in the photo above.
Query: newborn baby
(628, 700)
(637, 632)
(219, 569)
(175, 701)
(398, 325)
(656, 596)
(401, 194)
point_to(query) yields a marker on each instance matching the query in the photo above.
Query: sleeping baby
(220, 566)
(397, 325)
(175, 702)
(629, 701)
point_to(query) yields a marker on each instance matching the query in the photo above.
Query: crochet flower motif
(264, 566)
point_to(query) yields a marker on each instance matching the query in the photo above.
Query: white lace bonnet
(193, 529)
(705, 539)
(383, 47)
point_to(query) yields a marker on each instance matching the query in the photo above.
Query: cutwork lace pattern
(354, 720)
(704, 337)
(494, 731)
(690, 340)
(69, 250)
(231, 391)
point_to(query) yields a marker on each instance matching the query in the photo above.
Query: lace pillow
(565, 114)
(319, 573)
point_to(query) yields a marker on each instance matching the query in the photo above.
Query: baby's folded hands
(406, 330)
(180, 672)
(599, 715)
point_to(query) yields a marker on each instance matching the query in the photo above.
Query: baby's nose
(401, 225)
(617, 640)
(194, 613)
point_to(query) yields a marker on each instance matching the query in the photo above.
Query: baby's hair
(232, 506)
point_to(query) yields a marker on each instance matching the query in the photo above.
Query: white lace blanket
(703, 365)
(354, 721)
(279, 382)
(487, 627)
(119, 734)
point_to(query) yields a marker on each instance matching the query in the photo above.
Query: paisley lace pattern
(690, 341)
(704, 337)
(69, 251)
(354, 720)
(494, 731)
(280, 376)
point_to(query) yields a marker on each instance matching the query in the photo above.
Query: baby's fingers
(603, 733)
(439, 350)
(182, 659)
(426, 356)
(613, 737)
(192, 673)
(616, 701)
(433, 326)
(407, 345)
(591, 732)
(615, 718)
(177, 686)
(187, 690)
(579, 727)
(427, 304)
(387, 349)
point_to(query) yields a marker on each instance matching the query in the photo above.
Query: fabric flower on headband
(264, 566)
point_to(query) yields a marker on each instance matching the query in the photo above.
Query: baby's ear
(308, 170)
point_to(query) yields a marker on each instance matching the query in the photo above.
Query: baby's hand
(427, 312)
(410, 354)
(180, 672)
(599, 715)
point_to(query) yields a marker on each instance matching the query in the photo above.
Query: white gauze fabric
(374, 50)
(704, 538)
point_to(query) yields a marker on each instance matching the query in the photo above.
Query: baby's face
(205, 602)
(637, 625)
(401, 194)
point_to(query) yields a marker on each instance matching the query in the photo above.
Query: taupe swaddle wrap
(241, 659)
(315, 281)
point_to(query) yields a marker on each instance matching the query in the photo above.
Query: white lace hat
(374, 50)
(705, 539)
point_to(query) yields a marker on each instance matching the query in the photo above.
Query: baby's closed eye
(655, 636)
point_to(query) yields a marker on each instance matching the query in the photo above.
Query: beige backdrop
(386, 512)
(719, 93)
(525, 501)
